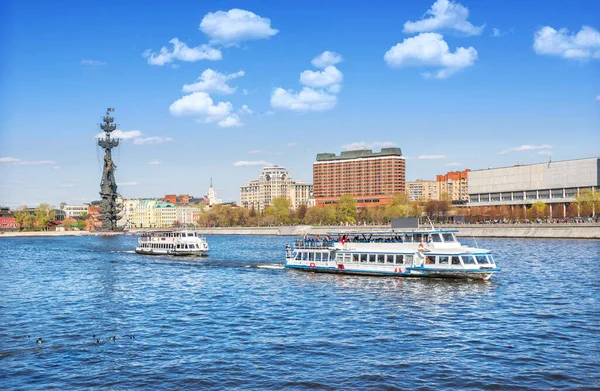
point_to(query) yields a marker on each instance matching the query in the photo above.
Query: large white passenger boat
(176, 242)
(414, 253)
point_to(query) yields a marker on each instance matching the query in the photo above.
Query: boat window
(430, 260)
(381, 258)
(448, 237)
(490, 259)
(417, 238)
(455, 260)
(311, 256)
(318, 257)
(443, 260)
(372, 257)
(390, 258)
(304, 256)
(326, 257)
(399, 259)
(408, 238)
(408, 259)
(363, 257)
(355, 257)
(436, 238)
(481, 259)
(468, 259)
(297, 258)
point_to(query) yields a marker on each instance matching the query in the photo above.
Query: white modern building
(554, 183)
(74, 210)
(274, 182)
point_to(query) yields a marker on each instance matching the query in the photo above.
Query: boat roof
(395, 232)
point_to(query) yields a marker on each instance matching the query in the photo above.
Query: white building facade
(554, 183)
(274, 182)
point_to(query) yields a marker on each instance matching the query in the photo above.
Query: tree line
(345, 211)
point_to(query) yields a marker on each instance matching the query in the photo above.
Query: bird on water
(39, 340)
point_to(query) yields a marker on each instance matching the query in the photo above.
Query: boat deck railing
(313, 243)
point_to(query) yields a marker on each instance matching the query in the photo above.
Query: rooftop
(359, 153)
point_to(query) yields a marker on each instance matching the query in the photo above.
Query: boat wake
(270, 266)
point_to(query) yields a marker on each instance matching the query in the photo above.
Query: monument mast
(108, 185)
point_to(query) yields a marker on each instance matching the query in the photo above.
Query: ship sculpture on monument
(109, 210)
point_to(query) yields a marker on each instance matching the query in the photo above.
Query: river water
(237, 319)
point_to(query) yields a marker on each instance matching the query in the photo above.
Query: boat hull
(200, 253)
(482, 274)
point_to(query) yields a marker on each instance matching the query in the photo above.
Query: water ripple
(237, 319)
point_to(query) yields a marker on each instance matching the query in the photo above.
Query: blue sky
(467, 84)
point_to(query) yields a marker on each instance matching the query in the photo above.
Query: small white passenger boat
(174, 242)
(414, 253)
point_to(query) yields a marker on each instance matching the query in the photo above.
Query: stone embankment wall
(555, 231)
(565, 231)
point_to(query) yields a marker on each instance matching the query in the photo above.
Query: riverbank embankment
(549, 231)
(539, 231)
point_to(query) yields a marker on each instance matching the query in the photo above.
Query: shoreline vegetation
(532, 230)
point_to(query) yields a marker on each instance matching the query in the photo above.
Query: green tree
(279, 209)
(44, 215)
(81, 224)
(301, 212)
(29, 222)
(539, 209)
(346, 209)
(20, 215)
(588, 202)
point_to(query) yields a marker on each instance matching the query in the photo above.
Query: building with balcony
(421, 190)
(74, 210)
(372, 178)
(554, 183)
(274, 182)
(454, 186)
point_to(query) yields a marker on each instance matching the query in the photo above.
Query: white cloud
(182, 52)
(525, 147)
(444, 15)
(496, 32)
(581, 46)
(245, 92)
(151, 140)
(430, 49)
(136, 135)
(305, 100)
(319, 95)
(254, 152)
(213, 81)
(155, 162)
(245, 163)
(11, 161)
(200, 104)
(93, 63)
(549, 153)
(598, 98)
(454, 164)
(365, 145)
(127, 135)
(230, 121)
(326, 59)
(4, 160)
(234, 26)
(329, 77)
(127, 183)
(431, 157)
(245, 110)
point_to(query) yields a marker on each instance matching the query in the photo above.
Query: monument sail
(109, 209)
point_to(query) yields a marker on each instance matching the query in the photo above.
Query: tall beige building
(421, 190)
(454, 186)
(274, 182)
